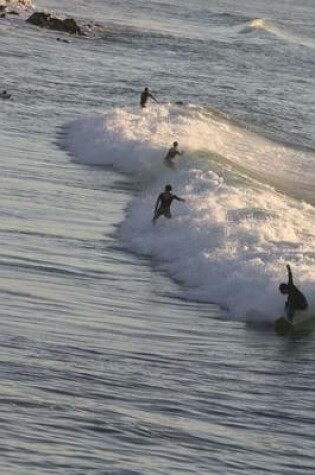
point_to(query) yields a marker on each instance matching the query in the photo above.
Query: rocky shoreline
(40, 18)
(46, 20)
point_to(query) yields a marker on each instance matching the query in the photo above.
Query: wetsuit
(163, 203)
(296, 300)
(170, 155)
(144, 98)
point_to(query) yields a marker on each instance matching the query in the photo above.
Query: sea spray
(229, 243)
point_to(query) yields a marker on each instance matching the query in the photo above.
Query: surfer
(145, 96)
(163, 203)
(296, 300)
(171, 154)
(5, 95)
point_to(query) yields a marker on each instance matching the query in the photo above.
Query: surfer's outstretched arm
(290, 281)
(152, 97)
(178, 198)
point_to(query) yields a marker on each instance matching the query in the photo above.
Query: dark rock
(46, 20)
(39, 19)
(71, 26)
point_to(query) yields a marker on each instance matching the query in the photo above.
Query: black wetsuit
(171, 154)
(144, 98)
(296, 300)
(163, 204)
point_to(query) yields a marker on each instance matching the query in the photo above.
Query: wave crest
(230, 241)
(280, 31)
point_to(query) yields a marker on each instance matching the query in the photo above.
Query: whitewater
(133, 349)
(281, 31)
(249, 202)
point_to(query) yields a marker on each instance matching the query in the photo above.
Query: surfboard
(7, 96)
(283, 325)
(302, 321)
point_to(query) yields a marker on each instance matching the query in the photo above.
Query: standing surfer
(163, 203)
(296, 300)
(145, 96)
(171, 154)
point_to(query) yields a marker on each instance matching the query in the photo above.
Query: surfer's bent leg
(159, 212)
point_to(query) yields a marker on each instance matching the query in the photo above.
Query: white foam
(281, 31)
(25, 4)
(230, 241)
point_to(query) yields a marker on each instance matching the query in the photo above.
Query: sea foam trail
(280, 31)
(230, 241)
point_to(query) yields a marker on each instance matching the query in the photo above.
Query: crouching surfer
(296, 300)
(163, 203)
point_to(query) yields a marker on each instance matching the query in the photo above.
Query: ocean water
(132, 349)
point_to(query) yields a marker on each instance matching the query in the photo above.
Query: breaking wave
(280, 31)
(229, 242)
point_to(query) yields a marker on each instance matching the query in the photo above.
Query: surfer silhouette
(145, 96)
(296, 300)
(5, 95)
(163, 203)
(171, 154)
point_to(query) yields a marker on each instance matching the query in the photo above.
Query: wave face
(280, 31)
(229, 242)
